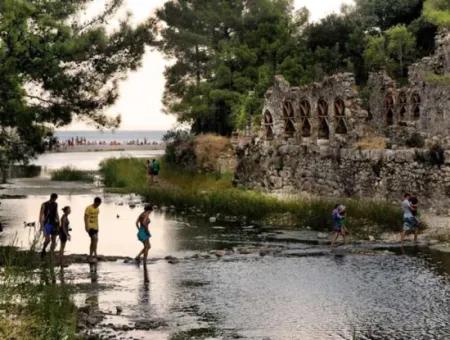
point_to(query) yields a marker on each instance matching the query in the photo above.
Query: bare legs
(93, 247)
(61, 253)
(335, 237)
(144, 251)
(49, 239)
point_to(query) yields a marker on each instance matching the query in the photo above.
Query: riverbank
(108, 147)
(214, 197)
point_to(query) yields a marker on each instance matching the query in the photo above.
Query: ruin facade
(328, 139)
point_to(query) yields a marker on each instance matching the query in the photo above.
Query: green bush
(72, 175)
(124, 173)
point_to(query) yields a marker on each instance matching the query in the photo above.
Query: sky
(140, 94)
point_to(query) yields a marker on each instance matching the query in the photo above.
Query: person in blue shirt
(338, 216)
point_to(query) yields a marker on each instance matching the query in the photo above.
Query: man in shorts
(91, 226)
(49, 223)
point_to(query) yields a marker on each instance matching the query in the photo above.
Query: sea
(121, 136)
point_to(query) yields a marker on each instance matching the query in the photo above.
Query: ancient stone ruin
(329, 139)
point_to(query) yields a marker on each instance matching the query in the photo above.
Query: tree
(54, 66)
(226, 54)
(437, 12)
(387, 13)
(401, 47)
(375, 53)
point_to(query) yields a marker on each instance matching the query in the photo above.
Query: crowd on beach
(82, 141)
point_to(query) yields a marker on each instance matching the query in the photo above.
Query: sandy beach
(98, 148)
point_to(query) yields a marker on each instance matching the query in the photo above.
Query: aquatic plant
(71, 174)
(38, 307)
(214, 194)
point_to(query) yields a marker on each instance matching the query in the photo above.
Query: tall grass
(214, 194)
(71, 174)
(37, 307)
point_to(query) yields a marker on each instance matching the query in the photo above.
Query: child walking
(64, 235)
(338, 216)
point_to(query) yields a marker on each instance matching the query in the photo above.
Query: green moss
(438, 79)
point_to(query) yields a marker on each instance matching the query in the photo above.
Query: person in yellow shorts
(91, 226)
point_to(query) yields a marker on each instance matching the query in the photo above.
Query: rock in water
(212, 219)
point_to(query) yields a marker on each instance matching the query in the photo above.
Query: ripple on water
(374, 297)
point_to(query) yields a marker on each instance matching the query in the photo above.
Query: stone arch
(324, 126)
(389, 109)
(403, 103)
(289, 118)
(305, 116)
(415, 105)
(339, 114)
(268, 125)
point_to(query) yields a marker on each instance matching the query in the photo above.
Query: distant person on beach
(410, 217)
(49, 223)
(142, 224)
(156, 168)
(150, 171)
(91, 225)
(64, 230)
(338, 216)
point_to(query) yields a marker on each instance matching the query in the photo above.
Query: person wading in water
(91, 226)
(64, 235)
(49, 223)
(143, 234)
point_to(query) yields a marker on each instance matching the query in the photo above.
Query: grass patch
(70, 174)
(214, 194)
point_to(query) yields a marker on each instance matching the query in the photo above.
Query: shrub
(434, 156)
(180, 149)
(72, 175)
(124, 173)
(415, 141)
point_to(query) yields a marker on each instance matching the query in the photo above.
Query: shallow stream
(239, 293)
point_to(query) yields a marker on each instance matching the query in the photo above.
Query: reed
(70, 174)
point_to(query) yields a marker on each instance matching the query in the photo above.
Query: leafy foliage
(438, 12)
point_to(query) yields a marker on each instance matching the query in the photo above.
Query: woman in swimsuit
(143, 234)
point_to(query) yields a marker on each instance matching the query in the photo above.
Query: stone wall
(346, 172)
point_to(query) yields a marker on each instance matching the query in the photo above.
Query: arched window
(289, 118)
(403, 103)
(415, 105)
(339, 113)
(322, 112)
(268, 125)
(305, 116)
(389, 109)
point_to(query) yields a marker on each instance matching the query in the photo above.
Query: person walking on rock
(338, 216)
(410, 218)
(49, 223)
(91, 225)
(142, 224)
